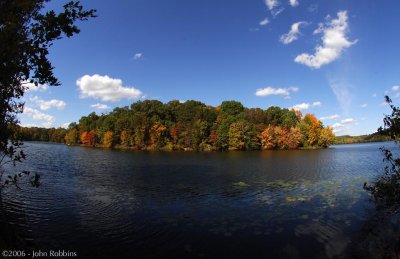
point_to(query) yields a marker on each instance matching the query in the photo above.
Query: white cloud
(293, 34)
(100, 106)
(334, 41)
(106, 88)
(45, 105)
(373, 95)
(271, 4)
(276, 91)
(395, 88)
(47, 120)
(306, 106)
(137, 56)
(364, 105)
(343, 125)
(31, 87)
(348, 121)
(338, 127)
(65, 125)
(301, 106)
(332, 117)
(264, 22)
(316, 104)
(293, 3)
(29, 125)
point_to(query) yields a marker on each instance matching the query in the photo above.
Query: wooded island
(191, 125)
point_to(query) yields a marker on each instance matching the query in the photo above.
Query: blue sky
(333, 58)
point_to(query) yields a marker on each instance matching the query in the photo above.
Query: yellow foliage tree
(125, 137)
(326, 137)
(313, 127)
(108, 138)
(71, 137)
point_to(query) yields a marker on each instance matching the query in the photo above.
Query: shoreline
(174, 149)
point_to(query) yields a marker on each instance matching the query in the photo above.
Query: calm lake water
(123, 204)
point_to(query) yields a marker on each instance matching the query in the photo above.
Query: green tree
(232, 107)
(26, 33)
(242, 136)
(199, 133)
(386, 188)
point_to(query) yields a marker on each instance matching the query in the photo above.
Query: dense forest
(191, 125)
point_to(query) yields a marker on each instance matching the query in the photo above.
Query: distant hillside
(375, 137)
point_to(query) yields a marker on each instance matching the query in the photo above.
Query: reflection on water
(120, 204)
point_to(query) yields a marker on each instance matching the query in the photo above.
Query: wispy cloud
(106, 88)
(334, 42)
(276, 91)
(312, 8)
(341, 89)
(331, 117)
(254, 29)
(264, 22)
(364, 105)
(348, 121)
(293, 34)
(45, 105)
(274, 6)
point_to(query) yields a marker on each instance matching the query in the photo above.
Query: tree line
(192, 125)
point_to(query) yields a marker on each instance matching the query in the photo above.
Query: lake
(105, 203)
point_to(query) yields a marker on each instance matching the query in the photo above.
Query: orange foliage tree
(84, 138)
(267, 138)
